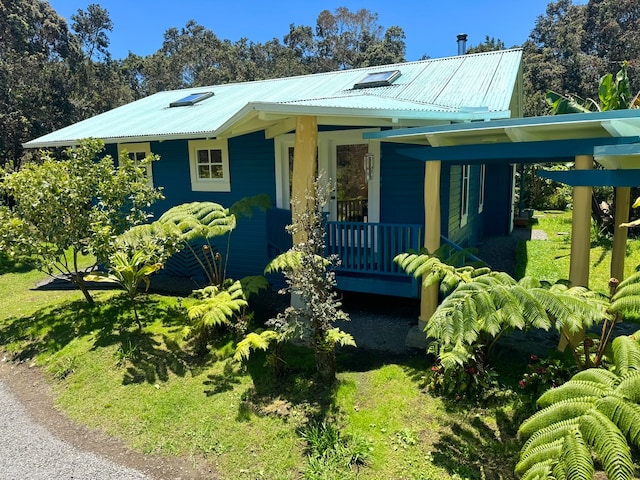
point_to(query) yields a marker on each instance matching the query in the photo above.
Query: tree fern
(626, 352)
(595, 413)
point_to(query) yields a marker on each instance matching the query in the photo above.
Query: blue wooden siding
(497, 200)
(252, 172)
(401, 186)
(471, 233)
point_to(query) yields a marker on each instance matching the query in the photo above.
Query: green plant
(71, 207)
(202, 222)
(219, 306)
(472, 380)
(128, 272)
(330, 454)
(311, 282)
(545, 373)
(595, 413)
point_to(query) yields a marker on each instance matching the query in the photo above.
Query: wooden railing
(354, 210)
(361, 247)
(371, 247)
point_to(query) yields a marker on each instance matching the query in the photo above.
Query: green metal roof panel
(469, 87)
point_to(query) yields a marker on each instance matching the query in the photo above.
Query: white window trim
(209, 184)
(139, 147)
(483, 174)
(464, 202)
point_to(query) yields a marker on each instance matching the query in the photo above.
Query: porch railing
(361, 247)
(371, 247)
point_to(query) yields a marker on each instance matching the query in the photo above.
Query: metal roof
(461, 88)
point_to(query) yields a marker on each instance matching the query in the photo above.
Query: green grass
(549, 259)
(149, 389)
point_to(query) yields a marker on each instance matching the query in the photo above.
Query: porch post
(622, 201)
(304, 166)
(581, 228)
(429, 295)
(580, 239)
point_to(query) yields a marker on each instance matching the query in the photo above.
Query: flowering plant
(545, 373)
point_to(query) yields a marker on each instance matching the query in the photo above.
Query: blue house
(226, 142)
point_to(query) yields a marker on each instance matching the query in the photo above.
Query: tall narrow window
(209, 166)
(464, 195)
(483, 172)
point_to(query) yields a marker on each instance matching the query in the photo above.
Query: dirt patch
(31, 389)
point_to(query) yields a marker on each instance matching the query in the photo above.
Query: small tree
(311, 282)
(66, 208)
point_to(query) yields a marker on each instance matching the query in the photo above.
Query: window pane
(216, 156)
(203, 171)
(203, 156)
(216, 171)
(140, 156)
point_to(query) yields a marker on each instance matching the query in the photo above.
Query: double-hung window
(464, 194)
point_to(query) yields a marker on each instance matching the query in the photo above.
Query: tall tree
(34, 76)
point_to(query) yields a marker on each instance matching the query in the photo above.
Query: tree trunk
(326, 365)
(79, 282)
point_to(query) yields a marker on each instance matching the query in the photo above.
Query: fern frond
(575, 458)
(625, 305)
(531, 457)
(247, 205)
(289, 260)
(609, 445)
(216, 310)
(573, 389)
(626, 354)
(624, 414)
(629, 387)
(454, 356)
(335, 336)
(550, 434)
(563, 410)
(541, 471)
(597, 375)
(254, 341)
(199, 220)
(253, 284)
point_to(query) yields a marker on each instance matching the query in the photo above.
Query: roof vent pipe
(462, 43)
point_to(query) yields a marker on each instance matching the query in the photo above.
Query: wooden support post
(580, 240)
(429, 296)
(621, 203)
(581, 228)
(304, 166)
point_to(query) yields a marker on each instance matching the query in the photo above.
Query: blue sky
(430, 26)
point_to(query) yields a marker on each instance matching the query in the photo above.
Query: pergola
(612, 139)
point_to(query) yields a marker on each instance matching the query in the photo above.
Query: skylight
(378, 79)
(191, 99)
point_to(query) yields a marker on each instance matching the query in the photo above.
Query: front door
(354, 167)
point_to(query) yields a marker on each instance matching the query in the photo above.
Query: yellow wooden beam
(429, 296)
(580, 242)
(621, 203)
(304, 167)
(581, 227)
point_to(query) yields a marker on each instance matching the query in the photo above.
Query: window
(464, 195)
(483, 172)
(138, 152)
(378, 79)
(191, 99)
(209, 166)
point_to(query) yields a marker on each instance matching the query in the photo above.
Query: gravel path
(29, 451)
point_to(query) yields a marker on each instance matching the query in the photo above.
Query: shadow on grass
(150, 357)
(475, 449)
(14, 265)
